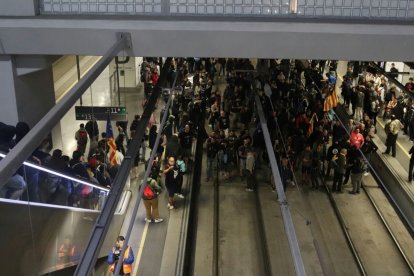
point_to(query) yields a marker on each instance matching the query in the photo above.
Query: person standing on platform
(171, 173)
(411, 165)
(359, 111)
(151, 201)
(186, 141)
(81, 137)
(356, 139)
(409, 121)
(339, 171)
(116, 252)
(394, 127)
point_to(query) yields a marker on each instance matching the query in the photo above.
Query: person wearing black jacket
(357, 168)
(340, 162)
(368, 148)
(92, 129)
(352, 153)
(332, 150)
(411, 165)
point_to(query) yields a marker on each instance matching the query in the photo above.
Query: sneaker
(366, 173)
(170, 207)
(249, 190)
(158, 220)
(147, 220)
(180, 195)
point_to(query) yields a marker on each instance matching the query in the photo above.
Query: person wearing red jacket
(154, 77)
(356, 138)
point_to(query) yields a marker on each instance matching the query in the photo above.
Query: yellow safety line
(141, 247)
(398, 143)
(75, 82)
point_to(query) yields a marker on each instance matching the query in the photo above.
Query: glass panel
(53, 183)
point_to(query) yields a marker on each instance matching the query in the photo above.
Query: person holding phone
(171, 173)
(116, 252)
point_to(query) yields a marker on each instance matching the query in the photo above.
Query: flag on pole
(110, 142)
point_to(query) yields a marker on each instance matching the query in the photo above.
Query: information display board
(100, 113)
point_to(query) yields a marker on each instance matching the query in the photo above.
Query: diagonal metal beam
(284, 207)
(15, 158)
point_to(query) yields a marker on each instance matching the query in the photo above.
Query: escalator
(50, 235)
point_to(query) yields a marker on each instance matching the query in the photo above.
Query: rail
(396, 202)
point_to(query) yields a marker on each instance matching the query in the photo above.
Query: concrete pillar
(26, 97)
(8, 110)
(19, 7)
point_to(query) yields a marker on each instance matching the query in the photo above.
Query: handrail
(45, 169)
(391, 79)
(88, 260)
(145, 177)
(287, 218)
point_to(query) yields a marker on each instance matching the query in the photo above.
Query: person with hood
(15, 185)
(81, 137)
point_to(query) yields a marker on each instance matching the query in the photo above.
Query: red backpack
(148, 193)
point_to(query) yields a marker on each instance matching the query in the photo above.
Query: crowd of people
(308, 141)
(48, 186)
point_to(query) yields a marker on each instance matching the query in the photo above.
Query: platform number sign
(100, 113)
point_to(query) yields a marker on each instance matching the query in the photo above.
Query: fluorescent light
(61, 175)
(47, 205)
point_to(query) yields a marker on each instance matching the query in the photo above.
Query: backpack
(83, 136)
(181, 166)
(148, 193)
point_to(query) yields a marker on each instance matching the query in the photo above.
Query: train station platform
(237, 232)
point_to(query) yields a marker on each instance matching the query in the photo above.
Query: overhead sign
(100, 113)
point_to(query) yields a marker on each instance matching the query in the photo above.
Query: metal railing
(363, 9)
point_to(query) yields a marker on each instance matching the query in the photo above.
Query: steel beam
(284, 207)
(15, 158)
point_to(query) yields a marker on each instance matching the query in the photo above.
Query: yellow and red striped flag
(331, 100)
(110, 142)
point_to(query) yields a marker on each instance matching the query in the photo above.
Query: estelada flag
(331, 100)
